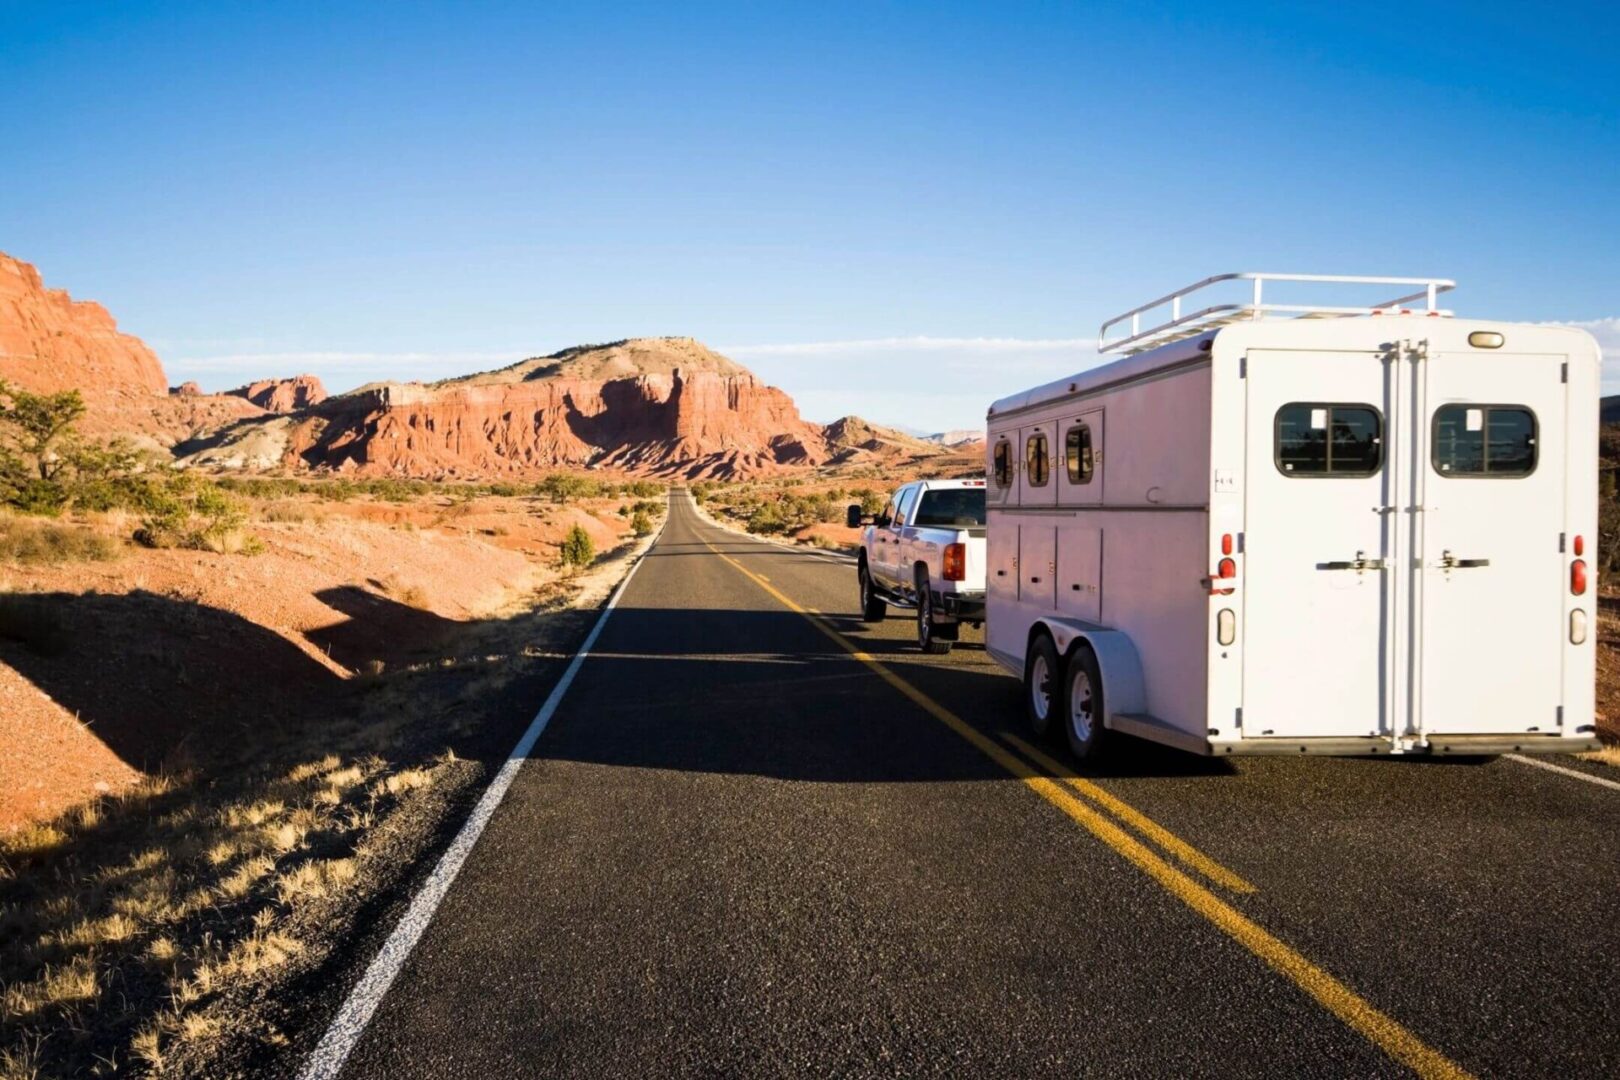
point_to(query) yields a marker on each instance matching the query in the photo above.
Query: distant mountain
(955, 438)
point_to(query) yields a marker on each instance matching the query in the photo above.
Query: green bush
(641, 523)
(193, 512)
(577, 548)
(568, 487)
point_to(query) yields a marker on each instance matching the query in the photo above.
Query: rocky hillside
(666, 406)
(50, 342)
(656, 406)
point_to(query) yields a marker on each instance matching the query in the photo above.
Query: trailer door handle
(1448, 561)
(1358, 564)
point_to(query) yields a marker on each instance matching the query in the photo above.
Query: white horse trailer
(1300, 529)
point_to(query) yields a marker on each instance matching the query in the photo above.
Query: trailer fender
(1124, 689)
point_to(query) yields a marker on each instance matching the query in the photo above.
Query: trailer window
(1035, 460)
(1077, 453)
(1484, 440)
(1003, 464)
(1324, 439)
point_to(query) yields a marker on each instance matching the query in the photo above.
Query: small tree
(641, 523)
(36, 426)
(577, 549)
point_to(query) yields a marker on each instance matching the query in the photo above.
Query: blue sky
(902, 211)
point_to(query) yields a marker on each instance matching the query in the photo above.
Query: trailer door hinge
(1563, 372)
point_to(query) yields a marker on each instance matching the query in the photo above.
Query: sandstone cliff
(50, 342)
(283, 395)
(666, 406)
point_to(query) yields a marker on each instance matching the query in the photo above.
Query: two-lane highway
(761, 837)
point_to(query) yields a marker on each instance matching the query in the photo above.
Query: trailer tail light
(1577, 577)
(955, 562)
(1226, 626)
(1580, 545)
(1226, 543)
(1577, 627)
(1226, 569)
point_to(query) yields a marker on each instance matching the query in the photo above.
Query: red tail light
(1227, 568)
(1577, 577)
(1580, 545)
(1226, 543)
(955, 562)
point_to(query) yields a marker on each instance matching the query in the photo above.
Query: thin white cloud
(861, 347)
(338, 361)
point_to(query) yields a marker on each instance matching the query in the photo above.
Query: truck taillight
(955, 562)
(1577, 577)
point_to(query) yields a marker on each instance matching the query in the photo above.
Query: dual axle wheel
(1065, 693)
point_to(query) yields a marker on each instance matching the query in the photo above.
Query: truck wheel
(873, 609)
(1083, 704)
(1043, 686)
(928, 638)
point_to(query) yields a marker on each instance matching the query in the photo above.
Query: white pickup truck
(925, 551)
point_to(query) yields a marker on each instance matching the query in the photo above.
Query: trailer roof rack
(1180, 325)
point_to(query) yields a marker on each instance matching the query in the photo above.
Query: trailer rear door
(1315, 588)
(1488, 588)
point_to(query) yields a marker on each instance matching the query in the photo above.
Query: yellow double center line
(1382, 1030)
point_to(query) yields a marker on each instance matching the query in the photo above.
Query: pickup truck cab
(925, 551)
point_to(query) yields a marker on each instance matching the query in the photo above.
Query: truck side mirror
(854, 518)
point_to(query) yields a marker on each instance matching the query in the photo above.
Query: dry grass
(50, 544)
(1609, 755)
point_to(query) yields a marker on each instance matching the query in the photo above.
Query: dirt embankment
(211, 762)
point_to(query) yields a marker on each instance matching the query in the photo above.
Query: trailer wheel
(1083, 704)
(873, 609)
(1043, 685)
(929, 639)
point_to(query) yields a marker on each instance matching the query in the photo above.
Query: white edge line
(1576, 773)
(329, 1056)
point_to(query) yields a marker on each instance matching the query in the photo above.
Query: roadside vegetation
(785, 507)
(143, 929)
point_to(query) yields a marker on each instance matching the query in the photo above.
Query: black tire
(1043, 682)
(873, 609)
(929, 640)
(1083, 711)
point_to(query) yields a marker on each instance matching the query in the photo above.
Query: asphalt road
(740, 849)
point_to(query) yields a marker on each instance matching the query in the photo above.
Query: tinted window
(959, 508)
(907, 497)
(1035, 460)
(1077, 453)
(1003, 469)
(1484, 440)
(1317, 439)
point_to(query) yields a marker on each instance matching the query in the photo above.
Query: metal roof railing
(1180, 325)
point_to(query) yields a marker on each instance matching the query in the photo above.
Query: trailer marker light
(1227, 569)
(1486, 339)
(1226, 544)
(1577, 577)
(1577, 627)
(955, 562)
(1580, 545)
(1226, 627)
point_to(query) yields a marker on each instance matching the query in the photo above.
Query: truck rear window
(952, 508)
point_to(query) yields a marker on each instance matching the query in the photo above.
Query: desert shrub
(641, 523)
(644, 489)
(871, 501)
(767, 518)
(504, 490)
(577, 548)
(193, 512)
(568, 487)
(50, 544)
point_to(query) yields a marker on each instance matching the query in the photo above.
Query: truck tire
(929, 639)
(873, 609)
(1082, 697)
(1043, 686)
